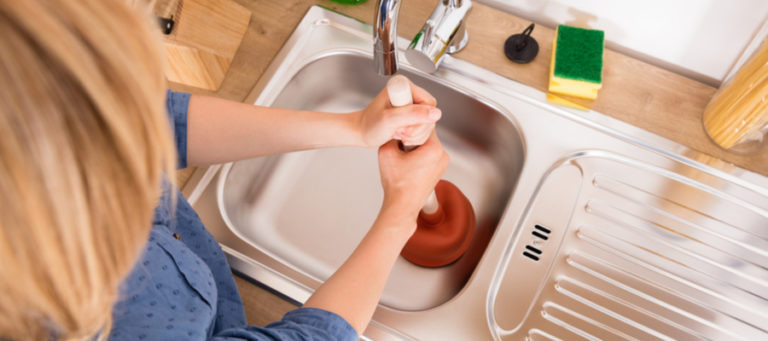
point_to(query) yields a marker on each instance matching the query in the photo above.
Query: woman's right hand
(354, 290)
(380, 122)
(409, 177)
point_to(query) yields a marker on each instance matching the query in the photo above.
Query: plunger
(446, 223)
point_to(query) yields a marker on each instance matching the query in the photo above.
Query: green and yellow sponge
(577, 62)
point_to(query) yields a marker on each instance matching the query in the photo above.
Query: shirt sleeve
(177, 104)
(300, 324)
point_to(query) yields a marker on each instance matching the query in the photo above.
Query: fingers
(421, 96)
(432, 141)
(412, 115)
(433, 149)
(388, 149)
(416, 135)
(431, 144)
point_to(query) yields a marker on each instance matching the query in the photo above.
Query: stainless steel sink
(310, 209)
(589, 228)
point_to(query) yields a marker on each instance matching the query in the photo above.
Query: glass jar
(737, 116)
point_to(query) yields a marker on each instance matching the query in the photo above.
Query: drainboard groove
(584, 324)
(673, 266)
(674, 179)
(714, 230)
(653, 245)
(619, 249)
(589, 265)
(637, 303)
(547, 315)
(579, 291)
(635, 194)
(690, 247)
(535, 334)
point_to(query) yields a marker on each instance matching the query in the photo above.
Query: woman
(85, 149)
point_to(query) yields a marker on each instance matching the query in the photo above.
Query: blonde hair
(84, 144)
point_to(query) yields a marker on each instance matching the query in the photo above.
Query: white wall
(699, 38)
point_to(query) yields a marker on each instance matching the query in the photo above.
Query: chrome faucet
(443, 32)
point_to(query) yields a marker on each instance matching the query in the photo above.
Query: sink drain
(542, 233)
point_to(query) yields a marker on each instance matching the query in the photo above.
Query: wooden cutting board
(204, 39)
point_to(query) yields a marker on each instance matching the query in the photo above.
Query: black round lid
(521, 48)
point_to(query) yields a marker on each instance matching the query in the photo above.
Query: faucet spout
(385, 37)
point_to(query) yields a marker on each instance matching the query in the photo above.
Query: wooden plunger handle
(399, 91)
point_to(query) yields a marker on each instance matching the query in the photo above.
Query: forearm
(353, 292)
(222, 131)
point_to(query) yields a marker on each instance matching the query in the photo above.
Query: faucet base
(444, 31)
(459, 41)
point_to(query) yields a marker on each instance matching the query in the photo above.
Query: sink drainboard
(613, 249)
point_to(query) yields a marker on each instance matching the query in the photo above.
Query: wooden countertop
(643, 95)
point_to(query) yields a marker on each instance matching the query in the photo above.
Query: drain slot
(531, 248)
(533, 252)
(543, 229)
(531, 256)
(538, 234)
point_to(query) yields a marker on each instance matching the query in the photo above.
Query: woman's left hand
(380, 122)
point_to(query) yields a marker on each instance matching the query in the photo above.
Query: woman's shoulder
(169, 293)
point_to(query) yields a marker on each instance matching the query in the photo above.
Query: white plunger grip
(399, 91)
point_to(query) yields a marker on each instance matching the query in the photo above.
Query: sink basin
(588, 228)
(310, 209)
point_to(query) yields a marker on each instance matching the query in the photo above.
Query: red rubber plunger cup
(442, 237)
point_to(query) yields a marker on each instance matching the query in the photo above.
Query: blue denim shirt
(183, 289)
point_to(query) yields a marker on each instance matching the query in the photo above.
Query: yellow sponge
(554, 99)
(577, 62)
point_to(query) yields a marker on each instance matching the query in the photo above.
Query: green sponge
(577, 62)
